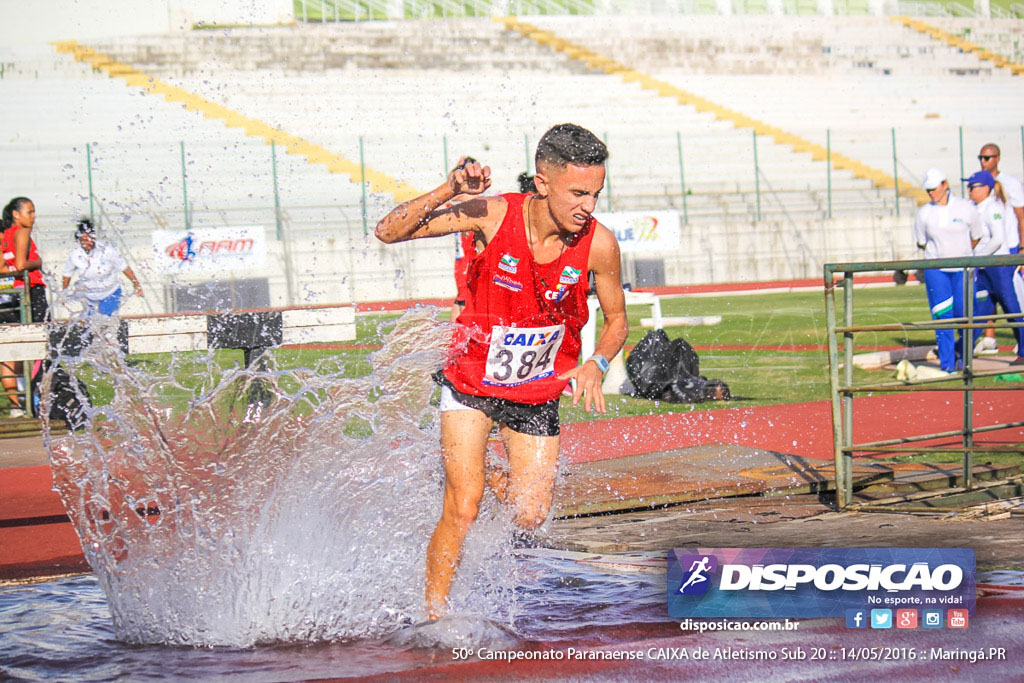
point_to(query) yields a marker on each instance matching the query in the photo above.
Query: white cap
(933, 177)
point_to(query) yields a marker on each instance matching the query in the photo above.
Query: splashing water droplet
(204, 529)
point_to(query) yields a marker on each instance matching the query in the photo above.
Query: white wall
(42, 20)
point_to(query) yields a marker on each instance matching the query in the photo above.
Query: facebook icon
(856, 618)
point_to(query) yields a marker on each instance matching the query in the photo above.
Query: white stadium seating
(409, 97)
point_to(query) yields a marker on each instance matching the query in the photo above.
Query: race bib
(518, 355)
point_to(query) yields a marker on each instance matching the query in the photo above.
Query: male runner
(527, 304)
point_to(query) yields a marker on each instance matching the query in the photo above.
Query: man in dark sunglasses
(988, 157)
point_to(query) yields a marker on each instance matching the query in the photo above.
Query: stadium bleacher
(409, 97)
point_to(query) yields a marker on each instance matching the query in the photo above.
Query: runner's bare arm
(606, 265)
(423, 217)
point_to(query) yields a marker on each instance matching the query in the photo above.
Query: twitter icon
(881, 618)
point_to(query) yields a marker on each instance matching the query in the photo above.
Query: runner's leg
(10, 373)
(532, 468)
(463, 442)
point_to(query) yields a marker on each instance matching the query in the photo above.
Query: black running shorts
(526, 418)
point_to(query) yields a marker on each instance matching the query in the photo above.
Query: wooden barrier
(255, 329)
(252, 331)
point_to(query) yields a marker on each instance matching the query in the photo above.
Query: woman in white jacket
(995, 284)
(96, 266)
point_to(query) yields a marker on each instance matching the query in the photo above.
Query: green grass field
(770, 349)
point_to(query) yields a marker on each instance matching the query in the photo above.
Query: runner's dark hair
(12, 206)
(568, 143)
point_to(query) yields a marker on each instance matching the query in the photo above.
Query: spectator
(947, 227)
(21, 258)
(996, 282)
(1012, 188)
(96, 265)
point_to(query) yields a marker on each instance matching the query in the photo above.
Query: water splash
(206, 526)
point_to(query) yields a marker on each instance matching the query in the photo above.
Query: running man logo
(182, 250)
(696, 571)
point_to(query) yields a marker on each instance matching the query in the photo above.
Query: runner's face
(26, 217)
(571, 193)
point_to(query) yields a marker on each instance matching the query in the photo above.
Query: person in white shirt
(997, 281)
(96, 266)
(947, 227)
(988, 157)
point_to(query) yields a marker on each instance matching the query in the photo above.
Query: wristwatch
(602, 362)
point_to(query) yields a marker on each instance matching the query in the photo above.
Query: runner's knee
(464, 508)
(531, 515)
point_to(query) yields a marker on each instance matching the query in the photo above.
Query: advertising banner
(209, 249)
(643, 231)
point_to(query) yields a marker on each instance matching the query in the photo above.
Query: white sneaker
(986, 346)
(17, 412)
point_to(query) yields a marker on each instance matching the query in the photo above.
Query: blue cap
(981, 178)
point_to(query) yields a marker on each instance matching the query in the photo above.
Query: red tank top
(540, 309)
(35, 277)
(465, 251)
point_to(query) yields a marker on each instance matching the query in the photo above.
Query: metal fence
(843, 389)
(366, 10)
(659, 171)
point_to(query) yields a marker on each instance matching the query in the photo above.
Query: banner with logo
(643, 231)
(817, 582)
(209, 249)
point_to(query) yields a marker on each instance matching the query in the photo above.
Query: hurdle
(252, 331)
(588, 335)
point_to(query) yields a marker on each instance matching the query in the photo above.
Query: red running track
(37, 540)
(803, 429)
